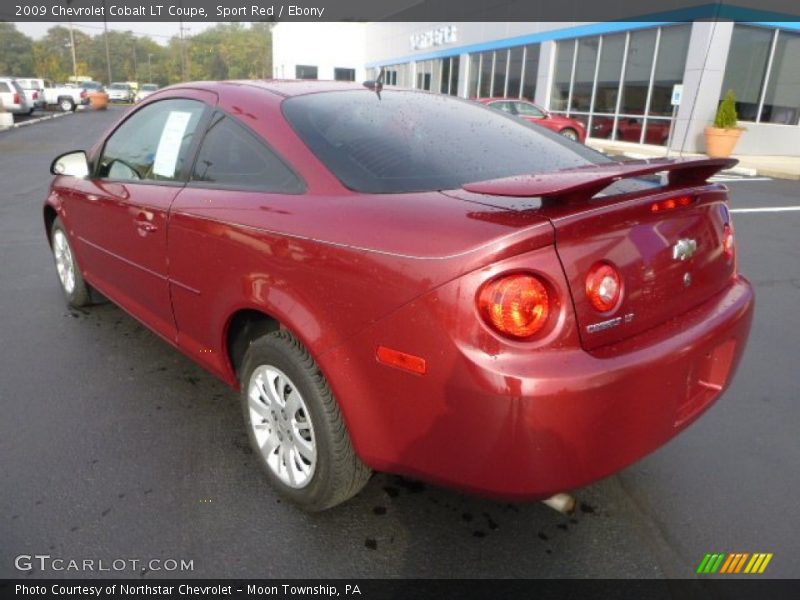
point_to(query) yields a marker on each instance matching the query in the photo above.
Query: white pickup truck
(65, 97)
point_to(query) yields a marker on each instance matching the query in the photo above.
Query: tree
(16, 58)
(226, 51)
(52, 55)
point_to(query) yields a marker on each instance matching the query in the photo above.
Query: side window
(528, 110)
(230, 156)
(153, 144)
(505, 107)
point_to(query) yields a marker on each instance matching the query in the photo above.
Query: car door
(236, 175)
(120, 213)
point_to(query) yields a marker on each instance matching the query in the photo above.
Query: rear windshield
(410, 141)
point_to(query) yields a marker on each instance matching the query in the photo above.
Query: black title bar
(397, 10)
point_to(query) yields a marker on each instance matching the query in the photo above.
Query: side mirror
(71, 164)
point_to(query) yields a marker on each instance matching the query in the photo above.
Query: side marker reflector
(401, 360)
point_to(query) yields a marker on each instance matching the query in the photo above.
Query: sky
(159, 32)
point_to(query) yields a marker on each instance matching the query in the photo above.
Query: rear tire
(66, 104)
(295, 427)
(76, 291)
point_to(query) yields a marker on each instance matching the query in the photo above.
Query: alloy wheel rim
(282, 426)
(65, 265)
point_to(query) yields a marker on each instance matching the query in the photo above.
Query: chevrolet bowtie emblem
(684, 249)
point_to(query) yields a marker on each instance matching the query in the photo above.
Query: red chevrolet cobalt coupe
(410, 282)
(569, 128)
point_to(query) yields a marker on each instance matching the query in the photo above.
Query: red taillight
(670, 203)
(728, 241)
(35, 95)
(515, 305)
(16, 99)
(83, 93)
(603, 287)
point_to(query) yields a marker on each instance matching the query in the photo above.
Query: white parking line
(737, 179)
(766, 209)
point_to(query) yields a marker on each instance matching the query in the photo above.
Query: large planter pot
(98, 100)
(721, 142)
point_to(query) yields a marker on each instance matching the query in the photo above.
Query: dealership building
(642, 82)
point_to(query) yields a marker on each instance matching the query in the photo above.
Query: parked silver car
(120, 92)
(13, 97)
(145, 91)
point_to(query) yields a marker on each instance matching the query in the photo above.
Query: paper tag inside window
(169, 146)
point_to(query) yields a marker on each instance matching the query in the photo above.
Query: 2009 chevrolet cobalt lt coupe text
(410, 282)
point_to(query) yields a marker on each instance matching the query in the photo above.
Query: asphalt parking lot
(114, 445)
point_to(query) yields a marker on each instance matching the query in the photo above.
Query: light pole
(72, 45)
(135, 66)
(149, 68)
(105, 37)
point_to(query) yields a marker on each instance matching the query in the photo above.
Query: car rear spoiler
(582, 183)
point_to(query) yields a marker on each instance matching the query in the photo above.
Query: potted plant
(725, 133)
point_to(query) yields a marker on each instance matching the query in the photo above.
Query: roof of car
(499, 98)
(282, 87)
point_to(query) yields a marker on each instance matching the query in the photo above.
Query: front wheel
(570, 134)
(76, 291)
(295, 427)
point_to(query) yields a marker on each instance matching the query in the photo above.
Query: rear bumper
(526, 425)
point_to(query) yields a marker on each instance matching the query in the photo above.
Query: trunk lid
(670, 259)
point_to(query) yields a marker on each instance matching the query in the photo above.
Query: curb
(743, 171)
(40, 119)
(739, 171)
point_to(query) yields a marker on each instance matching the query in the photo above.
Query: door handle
(144, 223)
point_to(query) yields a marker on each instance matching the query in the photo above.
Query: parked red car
(410, 282)
(569, 128)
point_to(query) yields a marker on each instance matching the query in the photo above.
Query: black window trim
(191, 152)
(302, 187)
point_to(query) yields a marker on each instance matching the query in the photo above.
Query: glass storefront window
(531, 71)
(455, 64)
(657, 131)
(584, 74)
(747, 67)
(500, 63)
(514, 72)
(638, 66)
(565, 51)
(445, 80)
(620, 85)
(474, 72)
(672, 48)
(485, 85)
(436, 75)
(608, 73)
(782, 97)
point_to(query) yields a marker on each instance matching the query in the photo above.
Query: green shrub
(726, 113)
